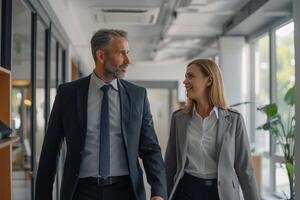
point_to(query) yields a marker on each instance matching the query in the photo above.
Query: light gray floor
(20, 186)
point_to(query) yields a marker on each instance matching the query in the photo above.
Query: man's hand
(156, 198)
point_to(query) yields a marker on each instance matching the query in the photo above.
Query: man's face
(116, 57)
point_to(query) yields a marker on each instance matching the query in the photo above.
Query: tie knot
(105, 88)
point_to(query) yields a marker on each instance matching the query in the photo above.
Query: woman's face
(196, 83)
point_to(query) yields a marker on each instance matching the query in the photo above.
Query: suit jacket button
(220, 183)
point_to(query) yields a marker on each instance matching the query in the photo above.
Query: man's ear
(100, 55)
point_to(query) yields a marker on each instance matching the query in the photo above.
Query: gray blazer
(233, 155)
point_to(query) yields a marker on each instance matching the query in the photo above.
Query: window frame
(270, 30)
(38, 13)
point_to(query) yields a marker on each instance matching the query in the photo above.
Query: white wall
(232, 65)
(161, 71)
(156, 71)
(297, 64)
(63, 12)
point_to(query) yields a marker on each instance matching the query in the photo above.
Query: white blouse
(201, 152)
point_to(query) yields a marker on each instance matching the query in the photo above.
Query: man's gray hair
(102, 38)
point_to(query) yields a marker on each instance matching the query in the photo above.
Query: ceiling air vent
(138, 16)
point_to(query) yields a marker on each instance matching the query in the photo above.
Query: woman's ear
(209, 82)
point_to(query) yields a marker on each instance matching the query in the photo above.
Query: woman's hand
(156, 198)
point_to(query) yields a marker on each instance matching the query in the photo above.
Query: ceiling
(161, 30)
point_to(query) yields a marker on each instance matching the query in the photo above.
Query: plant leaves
(290, 168)
(289, 97)
(270, 110)
(291, 134)
(266, 126)
(242, 103)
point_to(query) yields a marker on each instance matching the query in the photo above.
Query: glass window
(60, 66)
(56, 69)
(285, 69)
(52, 72)
(262, 89)
(281, 180)
(56, 66)
(159, 104)
(285, 55)
(266, 177)
(21, 99)
(285, 79)
(262, 97)
(40, 88)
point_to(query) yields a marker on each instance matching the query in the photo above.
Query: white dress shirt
(90, 157)
(201, 152)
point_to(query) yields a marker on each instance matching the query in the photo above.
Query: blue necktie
(104, 159)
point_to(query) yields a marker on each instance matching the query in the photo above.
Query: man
(107, 124)
(122, 71)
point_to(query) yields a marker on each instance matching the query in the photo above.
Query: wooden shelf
(7, 141)
(5, 144)
(4, 71)
(5, 85)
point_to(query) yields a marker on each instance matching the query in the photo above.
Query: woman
(208, 154)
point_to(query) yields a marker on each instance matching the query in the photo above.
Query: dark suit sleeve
(50, 152)
(243, 162)
(170, 157)
(150, 153)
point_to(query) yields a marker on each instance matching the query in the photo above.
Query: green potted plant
(284, 133)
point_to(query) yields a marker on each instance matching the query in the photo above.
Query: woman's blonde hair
(216, 95)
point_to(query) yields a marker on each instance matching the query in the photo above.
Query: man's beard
(114, 73)
(118, 73)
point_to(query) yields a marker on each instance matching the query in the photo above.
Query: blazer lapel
(223, 126)
(125, 106)
(82, 98)
(182, 122)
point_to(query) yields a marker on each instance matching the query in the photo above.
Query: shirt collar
(214, 110)
(99, 83)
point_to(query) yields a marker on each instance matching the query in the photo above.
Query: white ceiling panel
(174, 29)
(200, 31)
(131, 16)
(118, 3)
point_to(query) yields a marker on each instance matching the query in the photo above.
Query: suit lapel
(82, 98)
(223, 126)
(125, 106)
(182, 122)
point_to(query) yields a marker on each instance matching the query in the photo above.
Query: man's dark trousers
(90, 190)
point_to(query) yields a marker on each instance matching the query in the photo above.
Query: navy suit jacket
(68, 121)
